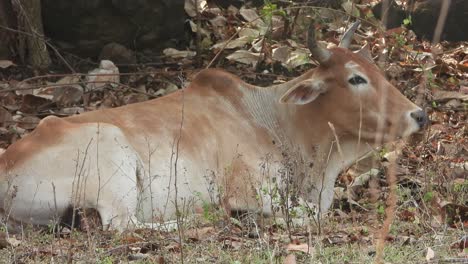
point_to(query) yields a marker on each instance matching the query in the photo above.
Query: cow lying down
(219, 140)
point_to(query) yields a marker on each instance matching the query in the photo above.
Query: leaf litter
(432, 183)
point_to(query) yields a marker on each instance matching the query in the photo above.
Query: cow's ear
(303, 92)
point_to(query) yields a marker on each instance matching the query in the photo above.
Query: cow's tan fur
(222, 139)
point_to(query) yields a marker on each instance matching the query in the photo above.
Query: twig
(117, 248)
(389, 213)
(178, 214)
(441, 20)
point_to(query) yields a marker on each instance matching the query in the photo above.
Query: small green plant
(365, 231)
(461, 187)
(408, 21)
(211, 213)
(428, 196)
(270, 9)
(401, 40)
(106, 260)
(381, 209)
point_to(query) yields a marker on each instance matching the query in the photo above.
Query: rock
(5, 117)
(28, 122)
(69, 92)
(84, 27)
(106, 74)
(117, 53)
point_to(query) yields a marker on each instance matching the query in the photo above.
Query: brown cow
(218, 140)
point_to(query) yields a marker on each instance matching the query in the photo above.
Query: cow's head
(352, 93)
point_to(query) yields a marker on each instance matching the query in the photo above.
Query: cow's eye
(356, 80)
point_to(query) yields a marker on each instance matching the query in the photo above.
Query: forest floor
(431, 213)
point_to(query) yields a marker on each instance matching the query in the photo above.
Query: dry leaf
(364, 178)
(197, 234)
(173, 53)
(9, 101)
(28, 122)
(250, 15)
(232, 44)
(303, 247)
(290, 259)
(5, 117)
(249, 32)
(351, 8)
(246, 57)
(5, 64)
(191, 8)
(13, 241)
(463, 65)
(430, 254)
(297, 58)
(195, 28)
(68, 95)
(232, 244)
(32, 104)
(443, 96)
(218, 21)
(69, 92)
(281, 54)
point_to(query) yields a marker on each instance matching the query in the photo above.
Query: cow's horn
(348, 35)
(320, 54)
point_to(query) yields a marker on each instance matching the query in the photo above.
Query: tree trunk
(7, 24)
(30, 21)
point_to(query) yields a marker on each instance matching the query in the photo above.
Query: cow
(219, 140)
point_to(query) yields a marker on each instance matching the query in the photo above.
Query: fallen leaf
(191, 8)
(302, 247)
(3, 240)
(197, 234)
(250, 15)
(281, 54)
(232, 244)
(13, 241)
(5, 117)
(351, 8)
(195, 29)
(455, 214)
(290, 259)
(33, 104)
(135, 98)
(69, 92)
(246, 57)
(10, 101)
(173, 53)
(28, 122)
(430, 254)
(232, 44)
(137, 256)
(249, 32)
(443, 96)
(5, 64)
(463, 65)
(173, 247)
(364, 178)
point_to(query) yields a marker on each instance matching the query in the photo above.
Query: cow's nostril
(420, 117)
